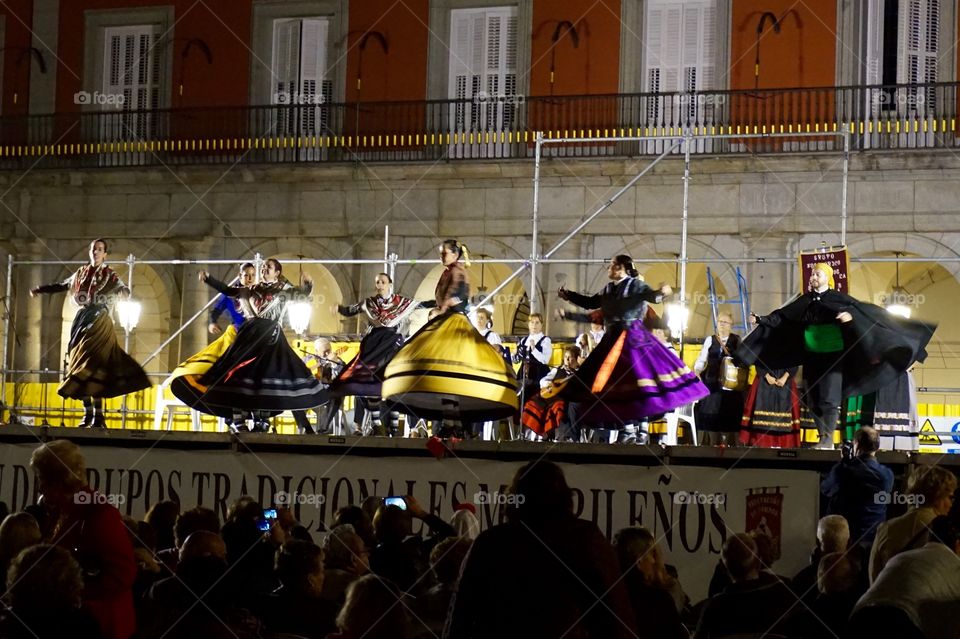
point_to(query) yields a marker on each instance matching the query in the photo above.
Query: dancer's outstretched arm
(217, 285)
(583, 301)
(55, 287)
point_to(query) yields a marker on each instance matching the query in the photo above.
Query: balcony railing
(502, 127)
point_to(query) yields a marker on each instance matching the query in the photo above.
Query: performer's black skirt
(363, 376)
(97, 365)
(720, 411)
(259, 372)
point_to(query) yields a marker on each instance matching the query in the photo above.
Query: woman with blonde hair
(655, 594)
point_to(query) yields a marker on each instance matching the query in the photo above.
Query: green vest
(823, 338)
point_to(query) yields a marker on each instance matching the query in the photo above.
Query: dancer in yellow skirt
(97, 366)
(200, 363)
(447, 370)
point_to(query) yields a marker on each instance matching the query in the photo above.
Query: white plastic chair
(685, 413)
(164, 404)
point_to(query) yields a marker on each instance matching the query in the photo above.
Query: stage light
(298, 313)
(677, 318)
(128, 312)
(898, 295)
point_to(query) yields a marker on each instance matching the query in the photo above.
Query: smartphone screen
(269, 513)
(399, 502)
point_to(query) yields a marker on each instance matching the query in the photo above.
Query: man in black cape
(847, 347)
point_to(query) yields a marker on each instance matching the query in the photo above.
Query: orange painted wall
(18, 64)
(590, 68)
(400, 74)
(225, 26)
(803, 54)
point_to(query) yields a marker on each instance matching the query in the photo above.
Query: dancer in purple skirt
(630, 375)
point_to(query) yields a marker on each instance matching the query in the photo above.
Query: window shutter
(483, 62)
(918, 46)
(131, 68)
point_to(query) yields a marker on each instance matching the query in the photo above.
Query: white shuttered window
(681, 53)
(483, 67)
(131, 69)
(300, 75)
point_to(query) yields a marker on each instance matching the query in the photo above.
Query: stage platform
(506, 451)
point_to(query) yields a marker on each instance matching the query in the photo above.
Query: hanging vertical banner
(838, 259)
(764, 513)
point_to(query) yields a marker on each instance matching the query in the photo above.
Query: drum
(734, 377)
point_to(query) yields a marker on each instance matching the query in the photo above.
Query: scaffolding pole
(843, 186)
(7, 311)
(534, 239)
(683, 239)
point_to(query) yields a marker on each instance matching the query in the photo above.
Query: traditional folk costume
(198, 364)
(771, 413)
(259, 371)
(722, 410)
(892, 410)
(447, 369)
(630, 375)
(553, 416)
(363, 375)
(533, 355)
(839, 360)
(97, 367)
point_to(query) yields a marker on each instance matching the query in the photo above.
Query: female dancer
(630, 375)
(200, 363)
(259, 372)
(363, 376)
(447, 369)
(385, 311)
(97, 366)
(771, 414)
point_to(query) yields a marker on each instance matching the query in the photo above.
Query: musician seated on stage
(325, 364)
(568, 429)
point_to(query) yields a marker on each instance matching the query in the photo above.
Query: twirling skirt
(200, 363)
(447, 370)
(630, 376)
(363, 376)
(97, 365)
(258, 372)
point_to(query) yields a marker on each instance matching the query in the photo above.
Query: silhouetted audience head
(61, 471)
(162, 516)
(17, 532)
(44, 579)
(740, 557)
(837, 572)
(201, 545)
(447, 557)
(360, 518)
(637, 548)
(245, 510)
(392, 524)
(833, 533)
(866, 441)
(466, 524)
(936, 485)
(373, 611)
(299, 567)
(193, 520)
(767, 550)
(539, 492)
(344, 550)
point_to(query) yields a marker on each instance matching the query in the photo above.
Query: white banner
(690, 509)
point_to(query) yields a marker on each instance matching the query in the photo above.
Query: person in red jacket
(91, 528)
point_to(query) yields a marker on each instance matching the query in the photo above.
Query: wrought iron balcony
(499, 127)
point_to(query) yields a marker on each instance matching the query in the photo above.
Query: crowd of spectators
(76, 568)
